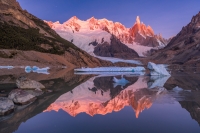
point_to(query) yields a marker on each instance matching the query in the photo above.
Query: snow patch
(83, 39)
(141, 50)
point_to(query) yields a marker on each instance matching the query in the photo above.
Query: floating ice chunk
(36, 69)
(178, 89)
(157, 81)
(157, 69)
(6, 67)
(110, 73)
(41, 70)
(111, 69)
(122, 82)
(28, 69)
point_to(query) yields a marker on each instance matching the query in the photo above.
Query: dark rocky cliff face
(184, 48)
(13, 3)
(115, 49)
(23, 31)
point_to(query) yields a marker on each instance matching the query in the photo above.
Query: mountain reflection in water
(101, 97)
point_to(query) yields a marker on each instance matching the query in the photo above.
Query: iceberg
(41, 70)
(157, 69)
(110, 73)
(28, 69)
(36, 69)
(178, 89)
(111, 69)
(122, 82)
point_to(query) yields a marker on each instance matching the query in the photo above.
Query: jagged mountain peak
(97, 31)
(137, 20)
(74, 18)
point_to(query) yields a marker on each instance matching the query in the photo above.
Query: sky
(164, 16)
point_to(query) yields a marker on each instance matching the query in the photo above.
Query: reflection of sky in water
(162, 118)
(139, 104)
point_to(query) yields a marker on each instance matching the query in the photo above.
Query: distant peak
(57, 22)
(92, 19)
(73, 18)
(138, 20)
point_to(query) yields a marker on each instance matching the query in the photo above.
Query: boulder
(157, 69)
(25, 83)
(6, 106)
(34, 92)
(22, 97)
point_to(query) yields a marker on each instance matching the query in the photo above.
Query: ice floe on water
(6, 67)
(111, 69)
(111, 73)
(36, 69)
(178, 89)
(155, 69)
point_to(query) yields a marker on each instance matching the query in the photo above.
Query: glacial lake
(85, 103)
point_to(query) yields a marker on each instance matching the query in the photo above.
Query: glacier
(114, 60)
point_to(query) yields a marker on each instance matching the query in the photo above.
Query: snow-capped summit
(137, 20)
(99, 31)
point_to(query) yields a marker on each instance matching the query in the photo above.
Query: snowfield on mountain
(91, 33)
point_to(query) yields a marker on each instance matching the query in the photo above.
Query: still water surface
(96, 104)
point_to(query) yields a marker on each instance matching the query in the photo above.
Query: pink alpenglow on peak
(137, 20)
(139, 37)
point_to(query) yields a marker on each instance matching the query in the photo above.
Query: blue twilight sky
(164, 16)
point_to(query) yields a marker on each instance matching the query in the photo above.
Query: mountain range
(93, 97)
(102, 37)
